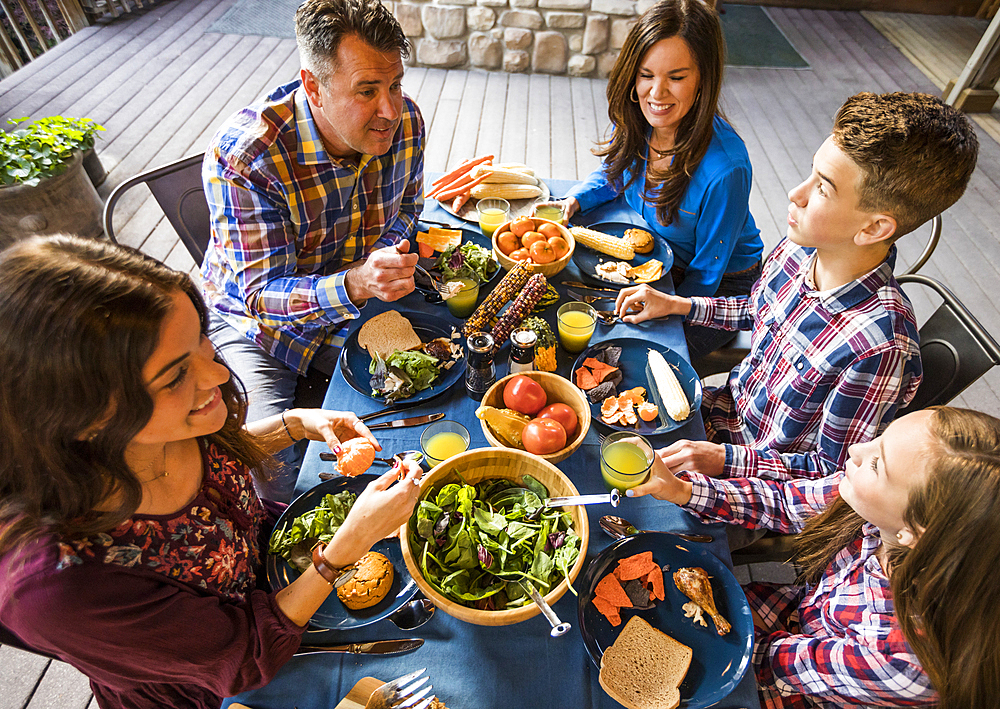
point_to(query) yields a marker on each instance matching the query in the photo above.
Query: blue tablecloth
(507, 667)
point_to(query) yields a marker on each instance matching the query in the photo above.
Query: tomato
(564, 414)
(524, 394)
(508, 243)
(522, 225)
(559, 246)
(530, 238)
(549, 230)
(519, 255)
(543, 436)
(541, 252)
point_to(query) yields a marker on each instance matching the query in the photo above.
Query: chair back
(178, 190)
(955, 348)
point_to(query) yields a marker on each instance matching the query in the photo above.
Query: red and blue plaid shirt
(287, 219)
(835, 644)
(826, 369)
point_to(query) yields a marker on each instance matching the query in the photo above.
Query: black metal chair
(178, 190)
(730, 355)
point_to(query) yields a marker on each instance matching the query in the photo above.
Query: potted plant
(44, 188)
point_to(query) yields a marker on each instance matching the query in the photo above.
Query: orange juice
(490, 219)
(554, 214)
(575, 329)
(623, 465)
(443, 446)
(462, 304)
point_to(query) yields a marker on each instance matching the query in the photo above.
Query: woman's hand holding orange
(334, 427)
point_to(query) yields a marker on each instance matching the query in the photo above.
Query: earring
(632, 93)
(899, 536)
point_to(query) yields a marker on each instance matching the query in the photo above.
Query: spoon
(413, 614)
(612, 498)
(415, 456)
(620, 528)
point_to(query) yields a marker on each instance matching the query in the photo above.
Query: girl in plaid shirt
(899, 555)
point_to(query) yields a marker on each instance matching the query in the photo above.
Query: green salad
(463, 536)
(403, 374)
(468, 260)
(295, 542)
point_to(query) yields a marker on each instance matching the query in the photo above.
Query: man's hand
(696, 457)
(386, 275)
(662, 483)
(640, 303)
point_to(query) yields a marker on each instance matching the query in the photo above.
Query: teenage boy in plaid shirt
(834, 351)
(313, 192)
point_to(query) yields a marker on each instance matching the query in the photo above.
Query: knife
(378, 647)
(440, 224)
(581, 297)
(383, 412)
(404, 423)
(577, 284)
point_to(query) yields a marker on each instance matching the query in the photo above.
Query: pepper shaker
(481, 373)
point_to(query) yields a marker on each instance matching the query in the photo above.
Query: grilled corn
(672, 396)
(506, 191)
(606, 244)
(507, 288)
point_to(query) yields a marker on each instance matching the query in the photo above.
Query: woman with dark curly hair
(131, 537)
(679, 163)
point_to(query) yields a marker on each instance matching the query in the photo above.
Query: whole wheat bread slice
(387, 332)
(644, 667)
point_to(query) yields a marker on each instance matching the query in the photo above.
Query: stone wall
(573, 37)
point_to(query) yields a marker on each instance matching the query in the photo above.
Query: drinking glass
(576, 322)
(492, 213)
(463, 303)
(442, 440)
(626, 458)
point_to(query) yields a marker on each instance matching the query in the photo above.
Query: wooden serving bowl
(546, 269)
(482, 464)
(557, 390)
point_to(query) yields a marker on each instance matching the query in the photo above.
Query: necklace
(162, 464)
(661, 153)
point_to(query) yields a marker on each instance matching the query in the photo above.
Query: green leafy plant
(43, 149)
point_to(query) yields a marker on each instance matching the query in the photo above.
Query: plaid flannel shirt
(287, 219)
(826, 369)
(836, 644)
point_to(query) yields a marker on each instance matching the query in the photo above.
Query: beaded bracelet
(285, 424)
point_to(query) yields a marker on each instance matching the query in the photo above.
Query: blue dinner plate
(634, 364)
(334, 615)
(587, 259)
(719, 661)
(355, 360)
(468, 235)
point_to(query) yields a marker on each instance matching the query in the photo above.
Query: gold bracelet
(283, 423)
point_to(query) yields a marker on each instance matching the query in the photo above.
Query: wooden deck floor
(161, 86)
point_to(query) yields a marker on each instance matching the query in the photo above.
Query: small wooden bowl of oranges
(543, 245)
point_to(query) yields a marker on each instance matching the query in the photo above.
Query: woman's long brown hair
(698, 25)
(80, 319)
(946, 589)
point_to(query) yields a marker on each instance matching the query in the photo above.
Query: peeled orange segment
(612, 418)
(648, 411)
(609, 406)
(629, 417)
(625, 401)
(638, 395)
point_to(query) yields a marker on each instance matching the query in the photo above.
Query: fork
(608, 317)
(589, 299)
(402, 693)
(442, 288)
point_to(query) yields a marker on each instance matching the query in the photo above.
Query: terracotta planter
(67, 203)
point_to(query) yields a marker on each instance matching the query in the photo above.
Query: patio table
(506, 667)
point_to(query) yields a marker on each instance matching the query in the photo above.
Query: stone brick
(409, 19)
(595, 37)
(461, 2)
(581, 65)
(643, 5)
(530, 19)
(492, 3)
(480, 19)
(485, 51)
(564, 4)
(516, 38)
(523, 3)
(613, 7)
(576, 43)
(516, 60)
(565, 20)
(619, 32)
(443, 22)
(549, 54)
(447, 54)
(605, 63)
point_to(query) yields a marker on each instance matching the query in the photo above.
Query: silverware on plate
(620, 528)
(378, 647)
(578, 284)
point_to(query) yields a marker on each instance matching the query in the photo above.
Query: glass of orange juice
(576, 323)
(625, 460)
(443, 439)
(492, 213)
(553, 211)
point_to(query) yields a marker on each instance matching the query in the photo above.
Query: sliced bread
(387, 332)
(644, 667)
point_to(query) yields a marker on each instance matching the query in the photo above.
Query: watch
(333, 576)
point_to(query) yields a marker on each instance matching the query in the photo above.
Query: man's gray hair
(320, 25)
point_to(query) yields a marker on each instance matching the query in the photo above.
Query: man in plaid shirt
(834, 351)
(313, 192)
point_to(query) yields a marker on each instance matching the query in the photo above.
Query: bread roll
(370, 583)
(642, 240)
(644, 667)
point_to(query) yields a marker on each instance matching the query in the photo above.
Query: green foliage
(43, 149)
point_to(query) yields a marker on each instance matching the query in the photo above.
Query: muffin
(642, 240)
(370, 583)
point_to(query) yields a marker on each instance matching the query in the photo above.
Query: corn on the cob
(517, 167)
(506, 289)
(606, 244)
(672, 396)
(534, 289)
(494, 174)
(505, 191)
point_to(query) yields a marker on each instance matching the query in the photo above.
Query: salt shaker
(522, 350)
(480, 373)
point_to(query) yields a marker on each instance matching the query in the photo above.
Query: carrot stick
(454, 184)
(460, 170)
(460, 201)
(452, 193)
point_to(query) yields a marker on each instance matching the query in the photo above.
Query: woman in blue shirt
(680, 165)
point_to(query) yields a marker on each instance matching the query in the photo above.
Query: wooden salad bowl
(481, 464)
(557, 390)
(546, 269)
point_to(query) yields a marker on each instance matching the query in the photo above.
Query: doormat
(752, 39)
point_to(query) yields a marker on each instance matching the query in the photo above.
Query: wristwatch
(333, 576)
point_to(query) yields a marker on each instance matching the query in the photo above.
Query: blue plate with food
(416, 357)
(473, 258)
(610, 272)
(619, 367)
(318, 514)
(718, 661)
